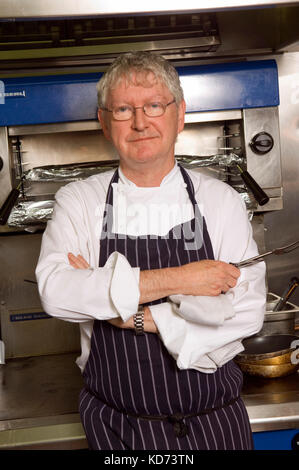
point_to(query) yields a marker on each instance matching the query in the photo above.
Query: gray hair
(144, 62)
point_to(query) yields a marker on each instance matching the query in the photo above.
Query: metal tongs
(258, 258)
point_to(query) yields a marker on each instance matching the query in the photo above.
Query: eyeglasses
(125, 112)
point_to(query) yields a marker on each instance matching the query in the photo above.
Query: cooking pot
(281, 322)
(269, 356)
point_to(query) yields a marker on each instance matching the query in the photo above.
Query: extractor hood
(73, 36)
(67, 8)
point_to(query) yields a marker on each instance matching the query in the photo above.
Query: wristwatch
(139, 321)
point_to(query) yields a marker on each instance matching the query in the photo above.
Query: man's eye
(155, 105)
(122, 109)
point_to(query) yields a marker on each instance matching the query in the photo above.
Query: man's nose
(139, 120)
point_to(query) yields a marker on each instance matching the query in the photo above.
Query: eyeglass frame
(141, 107)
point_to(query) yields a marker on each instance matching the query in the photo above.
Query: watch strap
(139, 321)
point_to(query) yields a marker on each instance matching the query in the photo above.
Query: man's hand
(78, 262)
(208, 277)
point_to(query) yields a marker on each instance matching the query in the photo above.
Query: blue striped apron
(135, 397)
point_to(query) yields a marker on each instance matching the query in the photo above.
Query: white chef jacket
(202, 332)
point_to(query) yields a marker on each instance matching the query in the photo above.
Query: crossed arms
(198, 278)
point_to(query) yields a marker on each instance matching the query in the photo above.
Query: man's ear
(181, 115)
(104, 124)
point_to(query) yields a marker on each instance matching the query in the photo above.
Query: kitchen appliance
(49, 136)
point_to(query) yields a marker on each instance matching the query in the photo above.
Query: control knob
(261, 143)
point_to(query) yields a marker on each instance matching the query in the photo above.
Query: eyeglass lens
(124, 113)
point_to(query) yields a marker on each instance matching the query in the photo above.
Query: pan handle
(261, 197)
(8, 205)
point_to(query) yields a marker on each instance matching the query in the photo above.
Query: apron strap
(189, 184)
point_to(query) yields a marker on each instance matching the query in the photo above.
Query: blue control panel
(67, 98)
(287, 439)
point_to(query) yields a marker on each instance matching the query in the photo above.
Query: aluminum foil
(75, 172)
(37, 213)
(28, 213)
(68, 173)
(189, 161)
(248, 198)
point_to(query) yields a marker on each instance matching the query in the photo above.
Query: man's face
(142, 140)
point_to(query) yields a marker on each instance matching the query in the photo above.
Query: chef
(140, 258)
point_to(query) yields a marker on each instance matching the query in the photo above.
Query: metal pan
(268, 356)
(268, 371)
(266, 347)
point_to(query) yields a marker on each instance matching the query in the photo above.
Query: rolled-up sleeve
(79, 295)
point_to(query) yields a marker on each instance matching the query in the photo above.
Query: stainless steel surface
(30, 333)
(63, 148)
(284, 224)
(265, 169)
(107, 38)
(272, 300)
(272, 404)
(39, 403)
(204, 138)
(5, 180)
(56, 434)
(258, 230)
(54, 128)
(95, 125)
(74, 145)
(111, 49)
(275, 203)
(228, 115)
(2, 352)
(38, 387)
(18, 257)
(282, 322)
(54, 8)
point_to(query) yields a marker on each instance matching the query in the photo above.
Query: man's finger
(234, 271)
(85, 264)
(77, 262)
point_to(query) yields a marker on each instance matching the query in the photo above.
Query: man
(140, 257)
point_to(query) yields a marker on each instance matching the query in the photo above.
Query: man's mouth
(142, 139)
